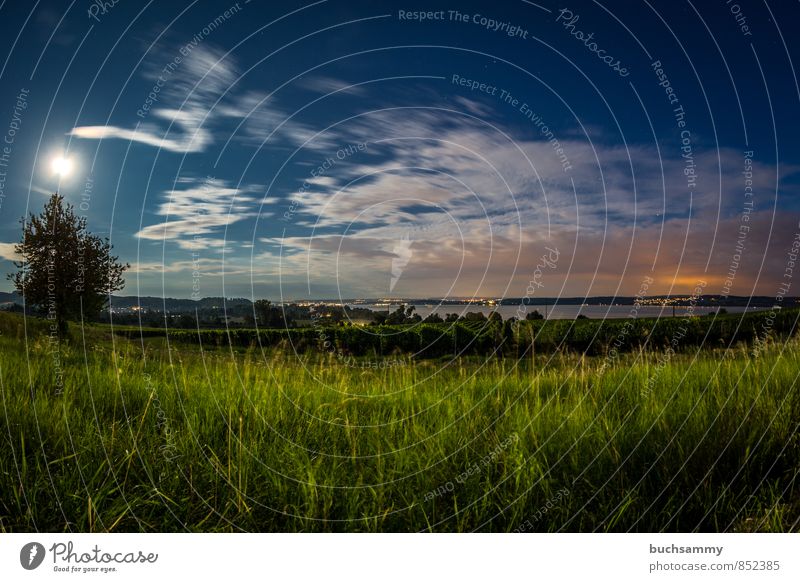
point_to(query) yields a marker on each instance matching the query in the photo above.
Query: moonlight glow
(61, 166)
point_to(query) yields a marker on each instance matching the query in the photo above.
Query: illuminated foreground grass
(177, 440)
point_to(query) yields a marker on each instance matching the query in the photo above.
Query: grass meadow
(162, 436)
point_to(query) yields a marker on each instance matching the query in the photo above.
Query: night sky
(361, 149)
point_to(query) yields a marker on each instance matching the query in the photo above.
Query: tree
(397, 316)
(65, 270)
(267, 315)
(474, 316)
(263, 312)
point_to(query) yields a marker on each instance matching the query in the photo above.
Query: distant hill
(176, 305)
(12, 297)
(172, 305)
(152, 303)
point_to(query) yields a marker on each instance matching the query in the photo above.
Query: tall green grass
(156, 438)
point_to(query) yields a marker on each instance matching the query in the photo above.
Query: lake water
(559, 311)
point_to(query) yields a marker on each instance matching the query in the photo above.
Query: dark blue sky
(352, 148)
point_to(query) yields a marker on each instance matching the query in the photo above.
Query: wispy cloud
(201, 209)
(194, 139)
(262, 122)
(205, 266)
(482, 207)
(185, 104)
(201, 93)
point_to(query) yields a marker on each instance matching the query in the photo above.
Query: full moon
(61, 166)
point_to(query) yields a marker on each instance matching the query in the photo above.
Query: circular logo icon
(31, 555)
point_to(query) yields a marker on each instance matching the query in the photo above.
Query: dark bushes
(483, 337)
